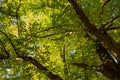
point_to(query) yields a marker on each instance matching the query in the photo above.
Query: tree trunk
(110, 69)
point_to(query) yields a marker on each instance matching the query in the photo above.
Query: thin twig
(111, 20)
(86, 66)
(113, 28)
(10, 41)
(47, 29)
(105, 3)
(2, 56)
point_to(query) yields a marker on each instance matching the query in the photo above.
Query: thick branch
(105, 39)
(110, 69)
(41, 67)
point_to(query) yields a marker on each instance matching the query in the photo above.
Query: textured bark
(110, 69)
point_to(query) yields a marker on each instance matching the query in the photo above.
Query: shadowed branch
(86, 66)
(9, 41)
(104, 38)
(4, 50)
(30, 59)
(118, 16)
(105, 3)
(112, 28)
(41, 67)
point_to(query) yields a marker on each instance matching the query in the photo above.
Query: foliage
(50, 32)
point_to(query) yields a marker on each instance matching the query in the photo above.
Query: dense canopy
(59, 39)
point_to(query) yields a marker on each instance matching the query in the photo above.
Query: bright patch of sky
(18, 74)
(1, 2)
(4, 63)
(8, 70)
(7, 76)
(72, 52)
(79, 79)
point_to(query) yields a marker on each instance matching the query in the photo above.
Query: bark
(41, 67)
(107, 41)
(110, 69)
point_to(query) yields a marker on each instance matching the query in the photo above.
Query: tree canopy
(59, 39)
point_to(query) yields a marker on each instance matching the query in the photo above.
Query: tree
(106, 45)
(59, 40)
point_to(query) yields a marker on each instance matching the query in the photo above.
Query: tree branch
(112, 28)
(47, 29)
(106, 2)
(86, 66)
(10, 42)
(31, 60)
(54, 39)
(4, 49)
(52, 34)
(105, 39)
(111, 20)
(41, 67)
(18, 7)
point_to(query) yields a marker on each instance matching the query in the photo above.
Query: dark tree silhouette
(105, 45)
